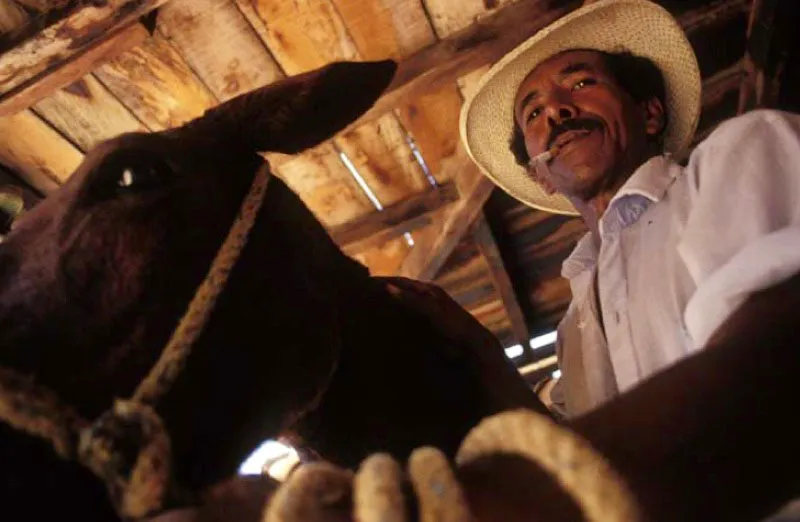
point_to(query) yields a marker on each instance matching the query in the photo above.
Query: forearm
(715, 436)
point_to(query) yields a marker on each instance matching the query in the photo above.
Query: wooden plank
(82, 27)
(483, 237)
(386, 260)
(320, 179)
(426, 259)
(396, 29)
(87, 113)
(489, 39)
(432, 121)
(468, 83)
(71, 70)
(156, 84)
(450, 16)
(219, 44)
(248, 10)
(381, 155)
(304, 34)
(386, 28)
(408, 215)
(41, 157)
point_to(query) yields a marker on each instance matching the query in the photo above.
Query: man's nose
(560, 109)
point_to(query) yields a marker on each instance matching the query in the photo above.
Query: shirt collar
(646, 186)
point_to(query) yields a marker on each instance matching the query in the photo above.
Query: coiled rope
(314, 492)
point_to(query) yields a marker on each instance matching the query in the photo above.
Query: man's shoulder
(760, 124)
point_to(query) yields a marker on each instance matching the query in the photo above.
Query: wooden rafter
(410, 214)
(759, 89)
(68, 72)
(428, 255)
(484, 239)
(36, 56)
(717, 86)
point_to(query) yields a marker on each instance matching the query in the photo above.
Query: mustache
(573, 124)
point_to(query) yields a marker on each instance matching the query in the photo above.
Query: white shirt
(681, 249)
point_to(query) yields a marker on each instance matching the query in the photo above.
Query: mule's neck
(398, 385)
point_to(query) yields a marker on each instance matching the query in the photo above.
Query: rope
(177, 351)
(583, 473)
(139, 485)
(377, 489)
(28, 407)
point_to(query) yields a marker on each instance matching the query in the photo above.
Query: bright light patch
(544, 340)
(556, 374)
(269, 451)
(360, 180)
(418, 156)
(409, 239)
(514, 351)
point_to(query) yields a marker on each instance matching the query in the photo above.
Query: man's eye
(583, 83)
(533, 114)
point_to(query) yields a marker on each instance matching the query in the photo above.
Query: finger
(439, 494)
(316, 492)
(378, 493)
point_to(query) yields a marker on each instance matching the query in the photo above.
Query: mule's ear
(300, 111)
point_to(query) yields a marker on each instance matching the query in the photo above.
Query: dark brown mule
(94, 279)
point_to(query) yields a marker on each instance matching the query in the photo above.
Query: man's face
(573, 102)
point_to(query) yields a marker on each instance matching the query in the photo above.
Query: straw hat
(639, 26)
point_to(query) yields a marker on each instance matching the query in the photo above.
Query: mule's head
(94, 279)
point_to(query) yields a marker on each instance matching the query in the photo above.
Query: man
(612, 92)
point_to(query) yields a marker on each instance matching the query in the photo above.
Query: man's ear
(655, 118)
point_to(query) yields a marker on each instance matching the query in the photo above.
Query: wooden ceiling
(74, 73)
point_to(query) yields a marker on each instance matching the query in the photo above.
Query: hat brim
(638, 26)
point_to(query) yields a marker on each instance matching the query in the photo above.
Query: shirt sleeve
(742, 233)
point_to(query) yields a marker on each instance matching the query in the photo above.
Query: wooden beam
(714, 90)
(376, 228)
(484, 239)
(427, 257)
(83, 27)
(714, 12)
(68, 72)
(717, 86)
(489, 39)
(760, 90)
(754, 81)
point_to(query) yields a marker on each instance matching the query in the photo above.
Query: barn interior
(395, 190)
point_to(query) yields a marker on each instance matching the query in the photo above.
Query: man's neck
(592, 211)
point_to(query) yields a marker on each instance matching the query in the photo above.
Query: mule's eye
(142, 175)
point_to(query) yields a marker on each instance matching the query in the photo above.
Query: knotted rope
(138, 485)
(315, 491)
